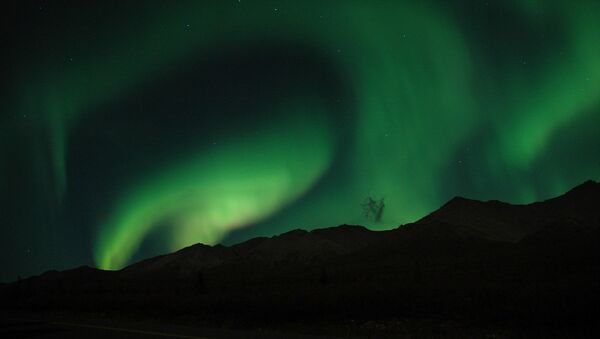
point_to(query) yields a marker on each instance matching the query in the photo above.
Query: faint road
(52, 329)
(24, 328)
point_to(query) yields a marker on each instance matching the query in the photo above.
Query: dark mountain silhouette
(495, 220)
(486, 263)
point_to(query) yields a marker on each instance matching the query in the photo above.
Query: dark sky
(130, 129)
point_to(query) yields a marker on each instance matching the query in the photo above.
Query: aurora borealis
(129, 129)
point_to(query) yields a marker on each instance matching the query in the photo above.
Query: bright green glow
(420, 55)
(563, 94)
(233, 186)
(422, 92)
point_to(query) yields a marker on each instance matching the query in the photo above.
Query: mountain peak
(292, 234)
(587, 188)
(460, 201)
(341, 228)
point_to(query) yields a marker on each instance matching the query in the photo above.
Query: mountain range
(459, 220)
(480, 262)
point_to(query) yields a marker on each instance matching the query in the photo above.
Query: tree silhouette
(373, 209)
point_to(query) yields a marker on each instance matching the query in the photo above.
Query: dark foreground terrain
(469, 270)
(72, 326)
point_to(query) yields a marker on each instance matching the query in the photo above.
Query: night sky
(130, 129)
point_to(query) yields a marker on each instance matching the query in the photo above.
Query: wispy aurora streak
(441, 107)
(236, 185)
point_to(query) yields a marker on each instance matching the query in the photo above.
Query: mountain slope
(536, 263)
(458, 224)
(499, 221)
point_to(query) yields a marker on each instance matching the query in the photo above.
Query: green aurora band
(423, 95)
(218, 191)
